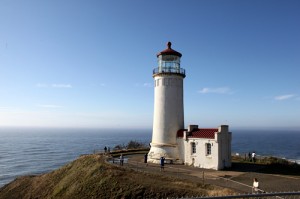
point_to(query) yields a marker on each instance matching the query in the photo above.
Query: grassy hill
(91, 177)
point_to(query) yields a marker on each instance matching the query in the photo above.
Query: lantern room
(169, 62)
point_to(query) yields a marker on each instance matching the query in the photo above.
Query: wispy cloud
(284, 97)
(147, 85)
(48, 106)
(61, 86)
(4, 108)
(41, 85)
(219, 90)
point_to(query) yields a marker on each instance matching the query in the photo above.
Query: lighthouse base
(168, 151)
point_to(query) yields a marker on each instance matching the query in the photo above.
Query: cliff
(91, 177)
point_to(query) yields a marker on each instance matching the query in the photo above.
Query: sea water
(30, 151)
(279, 143)
(35, 151)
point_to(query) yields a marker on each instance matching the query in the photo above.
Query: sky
(88, 64)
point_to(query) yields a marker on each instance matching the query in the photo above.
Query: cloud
(147, 85)
(284, 97)
(49, 106)
(220, 90)
(61, 86)
(41, 85)
(4, 108)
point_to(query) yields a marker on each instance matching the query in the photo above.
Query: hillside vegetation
(91, 177)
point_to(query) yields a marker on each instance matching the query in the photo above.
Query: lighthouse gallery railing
(180, 71)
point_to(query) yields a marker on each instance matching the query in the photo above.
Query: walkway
(240, 181)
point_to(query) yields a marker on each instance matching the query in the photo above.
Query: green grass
(272, 165)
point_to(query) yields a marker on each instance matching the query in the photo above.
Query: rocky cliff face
(91, 177)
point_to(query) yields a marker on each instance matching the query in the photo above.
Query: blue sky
(89, 63)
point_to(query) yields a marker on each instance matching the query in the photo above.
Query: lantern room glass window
(168, 61)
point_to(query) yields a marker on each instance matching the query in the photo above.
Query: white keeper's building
(199, 147)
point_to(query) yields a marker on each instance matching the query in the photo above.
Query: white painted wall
(168, 116)
(220, 156)
(224, 140)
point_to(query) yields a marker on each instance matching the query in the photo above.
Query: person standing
(162, 163)
(255, 186)
(249, 157)
(121, 160)
(253, 156)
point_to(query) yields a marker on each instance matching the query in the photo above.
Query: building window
(208, 149)
(193, 147)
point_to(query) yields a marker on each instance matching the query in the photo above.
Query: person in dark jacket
(162, 163)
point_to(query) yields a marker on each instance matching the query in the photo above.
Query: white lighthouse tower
(168, 106)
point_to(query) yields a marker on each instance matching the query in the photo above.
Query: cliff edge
(91, 177)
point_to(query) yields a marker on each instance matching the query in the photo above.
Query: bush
(135, 145)
(119, 147)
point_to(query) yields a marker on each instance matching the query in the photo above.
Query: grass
(91, 177)
(272, 165)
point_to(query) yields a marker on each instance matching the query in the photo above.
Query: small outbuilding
(208, 148)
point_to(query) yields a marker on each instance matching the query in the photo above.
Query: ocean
(30, 151)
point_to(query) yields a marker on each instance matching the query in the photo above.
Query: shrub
(135, 145)
(119, 147)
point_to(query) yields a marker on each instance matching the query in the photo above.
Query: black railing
(279, 195)
(168, 70)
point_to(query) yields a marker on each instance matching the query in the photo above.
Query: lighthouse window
(208, 149)
(193, 147)
(169, 58)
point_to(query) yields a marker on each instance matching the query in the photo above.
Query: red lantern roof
(169, 51)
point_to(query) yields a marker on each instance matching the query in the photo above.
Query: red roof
(169, 51)
(199, 133)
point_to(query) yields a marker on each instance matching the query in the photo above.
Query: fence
(279, 195)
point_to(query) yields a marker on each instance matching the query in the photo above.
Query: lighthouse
(168, 106)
